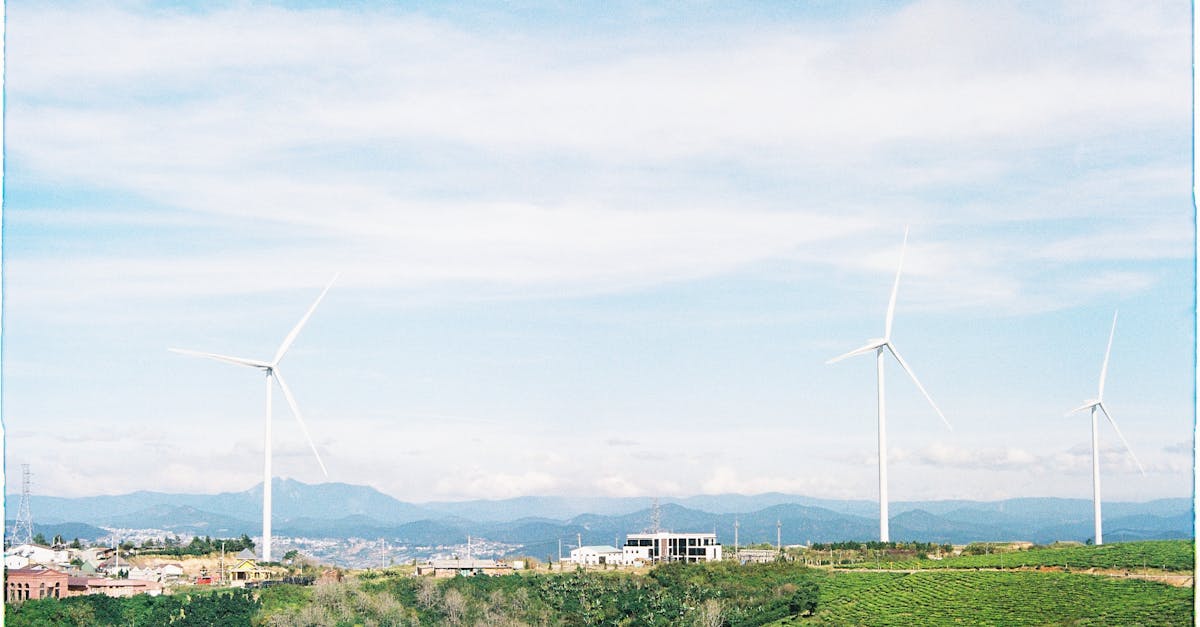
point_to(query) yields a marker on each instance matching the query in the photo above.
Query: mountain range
(339, 510)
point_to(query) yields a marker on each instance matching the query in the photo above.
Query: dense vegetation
(198, 546)
(233, 607)
(995, 598)
(1169, 555)
(710, 594)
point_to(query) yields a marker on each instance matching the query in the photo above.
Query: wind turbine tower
(271, 370)
(1096, 406)
(878, 346)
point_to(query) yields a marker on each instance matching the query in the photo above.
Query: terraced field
(1168, 555)
(995, 598)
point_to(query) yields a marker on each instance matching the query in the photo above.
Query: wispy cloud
(167, 166)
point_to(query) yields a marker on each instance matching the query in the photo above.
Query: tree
(38, 538)
(455, 605)
(804, 600)
(75, 544)
(710, 614)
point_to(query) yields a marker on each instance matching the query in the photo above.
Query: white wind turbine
(271, 369)
(878, 345)
(1098, 405)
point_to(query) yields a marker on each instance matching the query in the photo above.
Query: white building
(38, 554)
(666, 546)
(597, 556)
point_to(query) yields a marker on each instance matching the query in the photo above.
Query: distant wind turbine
(878, 345)
(1098, 405)
(271, 369)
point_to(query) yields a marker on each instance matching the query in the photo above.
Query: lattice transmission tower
(22, 531)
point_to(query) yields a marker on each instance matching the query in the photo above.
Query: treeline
(235, 608)
(917, 547)
(706, 594)
(198, 546)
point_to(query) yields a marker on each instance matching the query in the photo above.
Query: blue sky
(604, 249)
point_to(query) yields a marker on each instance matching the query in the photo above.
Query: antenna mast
(655, 517)
(22, 532)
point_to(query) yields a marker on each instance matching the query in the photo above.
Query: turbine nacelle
(871, 345)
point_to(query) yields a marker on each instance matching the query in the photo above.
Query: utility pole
(778, 535)
(560, 553)
(221, 565)
(736, 524)
(578, 540)
(468, 546)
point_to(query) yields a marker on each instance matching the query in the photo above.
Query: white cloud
(484, 484)
(168, 162)
(944, 455)
(726, 480)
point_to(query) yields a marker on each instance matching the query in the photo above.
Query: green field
(995, 598)
(1168, 555)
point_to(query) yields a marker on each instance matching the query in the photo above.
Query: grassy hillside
(994, 598)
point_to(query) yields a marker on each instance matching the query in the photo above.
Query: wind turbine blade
(903, 364)
(253, 363)
(1087, 405)
(1104, 368)
(891, 310)
(1120, 435)
(287, 394)
(291, 337)
(858, 351)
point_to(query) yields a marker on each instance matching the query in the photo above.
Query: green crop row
(995, 598)
(1168, 555)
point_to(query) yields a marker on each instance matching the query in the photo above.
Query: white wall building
(13, 562)
(597, 555)
(666, 546)
(43, 555)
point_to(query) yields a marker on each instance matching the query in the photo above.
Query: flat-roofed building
(756, 556)
(597, 556)
(461, 567)
(667, 546)
(117, 587)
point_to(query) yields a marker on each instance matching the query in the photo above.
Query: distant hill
(291, 499)
(339, 510)
(69, 531)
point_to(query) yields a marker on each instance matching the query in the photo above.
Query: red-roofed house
(22, 584)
